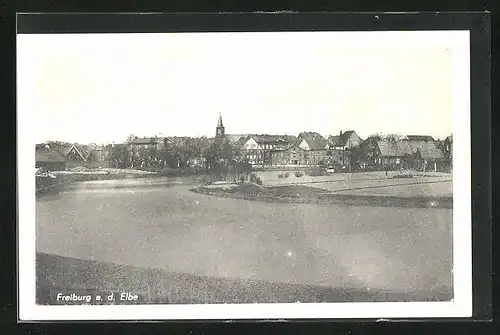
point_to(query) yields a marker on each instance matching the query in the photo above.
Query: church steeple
(220, 127)
(219, 123)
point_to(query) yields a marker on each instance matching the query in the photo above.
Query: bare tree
(393, 137)
(130, 138)
(375, 136)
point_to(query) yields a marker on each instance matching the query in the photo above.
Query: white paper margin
(461, 306)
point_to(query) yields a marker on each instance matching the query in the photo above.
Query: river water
(161, 224)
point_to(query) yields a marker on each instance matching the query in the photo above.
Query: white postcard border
(461, 306)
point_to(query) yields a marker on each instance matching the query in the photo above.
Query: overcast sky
(100, 88)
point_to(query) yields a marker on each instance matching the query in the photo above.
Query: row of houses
(347, 150)
(307, 148)
(61, 155)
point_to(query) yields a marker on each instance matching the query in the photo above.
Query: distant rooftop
(43, 154)
(144, 140)
(419, 138)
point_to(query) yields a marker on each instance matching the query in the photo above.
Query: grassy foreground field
(56, 274)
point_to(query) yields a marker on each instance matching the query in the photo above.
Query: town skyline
(212, 135)
(102, 88)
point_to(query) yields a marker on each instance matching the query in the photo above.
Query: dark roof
(314, 140)
(241, 141)
(394, 148)
(265, 138)
(144, 140)
(340, 140)
(336, 140)
(427, 150)
(64, 148)
(346, 135)
(234, 138)
(419, 138)
(43, 154)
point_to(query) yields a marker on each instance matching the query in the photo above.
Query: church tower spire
(219, 130)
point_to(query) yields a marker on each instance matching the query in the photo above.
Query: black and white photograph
(244, 175)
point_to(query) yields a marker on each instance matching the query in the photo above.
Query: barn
(48, 159)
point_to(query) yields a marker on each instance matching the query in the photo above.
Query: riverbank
(57, 274)
(46, 182)
(54, 181)
(302, 194)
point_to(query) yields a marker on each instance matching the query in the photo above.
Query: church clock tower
(220, 128)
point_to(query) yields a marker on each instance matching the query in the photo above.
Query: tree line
(218, 159)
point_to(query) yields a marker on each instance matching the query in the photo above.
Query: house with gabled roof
(49, 159)
(257, 148)
(309, 148)
(345, 140)
(69, 151)
(77, 153)
(340, 146)
(427, 156)
(311, 141)
(391, 153)
(419, 155)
